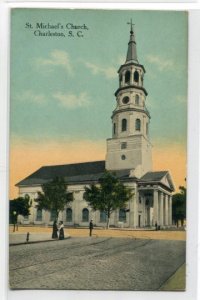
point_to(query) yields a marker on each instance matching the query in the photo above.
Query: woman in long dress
(61, 231)
(55, 230)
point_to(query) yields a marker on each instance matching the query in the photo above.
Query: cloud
(160, 62)
(108, 72)
(56, 58)
(72, 101)
(30, 96)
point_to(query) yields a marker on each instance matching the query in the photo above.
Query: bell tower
(130, 147)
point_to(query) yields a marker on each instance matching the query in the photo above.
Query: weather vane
(131, 23)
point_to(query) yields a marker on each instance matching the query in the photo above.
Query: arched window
(53, 215)
(69, 214)
(127, 76)
(124, 124)
(103, 216)
(137, 124)
(39, 215)
(122, 215)
(114, 128)
(137, 99)
(147, 128)
(85, 215)
(136, 76)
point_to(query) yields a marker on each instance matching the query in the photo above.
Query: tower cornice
(131, 64)
(115, 112)
(130, 86)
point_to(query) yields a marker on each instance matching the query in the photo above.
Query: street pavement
(95, 263)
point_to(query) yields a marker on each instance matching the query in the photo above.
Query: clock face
(125, 100)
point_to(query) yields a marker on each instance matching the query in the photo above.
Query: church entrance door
(139, 220)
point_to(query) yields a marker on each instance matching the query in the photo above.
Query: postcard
(98, 134)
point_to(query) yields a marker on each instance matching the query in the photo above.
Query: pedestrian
(156, 225)
(55, 230)
(91, 227)
(61, 231)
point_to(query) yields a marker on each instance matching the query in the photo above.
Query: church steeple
(132, 52)
(130, 147)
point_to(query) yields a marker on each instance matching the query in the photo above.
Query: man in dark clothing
(156, 225)
(91, 227)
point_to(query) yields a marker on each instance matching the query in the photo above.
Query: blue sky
(64, 87)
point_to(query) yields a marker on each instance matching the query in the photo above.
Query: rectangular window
(123, 145)
(122, 215)
(39, 215)
(103, 217)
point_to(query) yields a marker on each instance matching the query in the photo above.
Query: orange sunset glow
(27, 158)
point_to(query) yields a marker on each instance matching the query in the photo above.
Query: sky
(62, 87)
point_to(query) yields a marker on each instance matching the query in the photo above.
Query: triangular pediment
(162, 177)
(167, 181)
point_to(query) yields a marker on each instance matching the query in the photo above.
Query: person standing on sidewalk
(91, 226)
(61, 231)
(55, 230)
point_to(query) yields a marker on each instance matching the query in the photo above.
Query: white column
(116, 217)
(46, 217)
(155, 206)
(123, 78)
(166, 210)
(143, 210)
(161, 209)
(170, 210)
(131, 81)
(76, 210)
(133, 210)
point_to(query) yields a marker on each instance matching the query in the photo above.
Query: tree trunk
(108, 223)
(108, 219)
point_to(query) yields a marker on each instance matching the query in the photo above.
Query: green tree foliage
(19, 206)
(108, 195)
(179, 206)
(54, 196)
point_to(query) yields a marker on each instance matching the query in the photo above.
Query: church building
(129, 155)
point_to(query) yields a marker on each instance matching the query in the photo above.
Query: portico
(155, 199)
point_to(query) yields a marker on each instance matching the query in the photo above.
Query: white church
(129, 154)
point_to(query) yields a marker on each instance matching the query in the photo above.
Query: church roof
(154, 176)
(162, 177)
(72, 173)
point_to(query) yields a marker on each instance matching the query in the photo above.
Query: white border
(193, 157)
(102, 1)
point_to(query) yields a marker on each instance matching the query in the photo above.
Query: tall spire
(131, 53)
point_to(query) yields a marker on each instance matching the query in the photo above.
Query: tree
(54, 196)
(108, 195)
(19, 206)
(179, 205)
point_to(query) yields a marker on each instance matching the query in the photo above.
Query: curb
(172, 280)
(36, 242)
